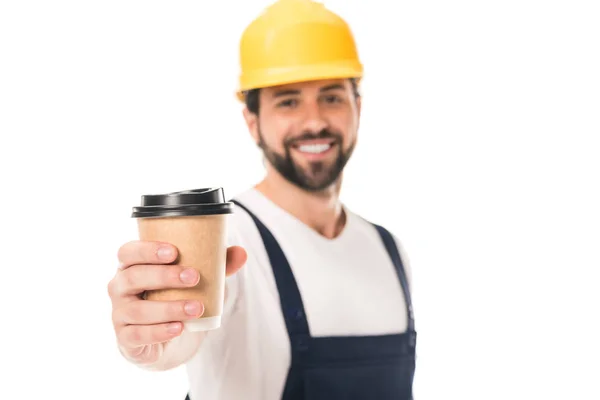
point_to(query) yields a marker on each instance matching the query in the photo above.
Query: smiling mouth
(318, 146)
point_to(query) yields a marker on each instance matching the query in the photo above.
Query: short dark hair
(252, 97)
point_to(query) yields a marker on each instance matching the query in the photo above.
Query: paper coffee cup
(194, 221)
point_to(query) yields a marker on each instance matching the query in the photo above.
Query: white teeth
(314, 148)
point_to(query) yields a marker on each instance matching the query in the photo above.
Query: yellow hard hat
(295, 41)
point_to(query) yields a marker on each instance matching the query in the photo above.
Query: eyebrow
(291, 92)
(335, 86)
(287, 92)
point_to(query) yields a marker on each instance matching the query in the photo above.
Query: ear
(358, 108)
(252, 124)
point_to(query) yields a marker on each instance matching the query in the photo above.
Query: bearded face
(307, 131)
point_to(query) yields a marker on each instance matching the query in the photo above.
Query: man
(321, 308)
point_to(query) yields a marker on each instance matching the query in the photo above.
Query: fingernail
(174, 327)
(165, 253)
(189, 276)
(192, 308)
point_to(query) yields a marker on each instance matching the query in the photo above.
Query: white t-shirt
(348, 286)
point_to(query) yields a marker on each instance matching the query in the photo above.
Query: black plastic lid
(208, 201)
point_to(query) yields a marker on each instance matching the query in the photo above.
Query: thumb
(236, 258)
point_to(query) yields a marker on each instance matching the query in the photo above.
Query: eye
(288, 103)
(333, 99)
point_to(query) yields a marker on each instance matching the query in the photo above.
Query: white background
(478, 148)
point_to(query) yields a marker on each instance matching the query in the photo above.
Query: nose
(314, 120)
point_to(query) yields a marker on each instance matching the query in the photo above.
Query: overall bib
(379, 367)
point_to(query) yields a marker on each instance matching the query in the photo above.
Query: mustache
(323, 134)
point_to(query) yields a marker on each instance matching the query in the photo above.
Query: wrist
(145, 356)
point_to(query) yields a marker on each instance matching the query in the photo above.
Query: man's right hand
(141, 325)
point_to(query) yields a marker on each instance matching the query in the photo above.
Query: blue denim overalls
(379, 367)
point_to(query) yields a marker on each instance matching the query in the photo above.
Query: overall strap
(392, 249)
(289, 294)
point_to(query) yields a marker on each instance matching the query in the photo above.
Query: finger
(140, 335)
(139, 278)
(148, 312)
(236, 258)
(146, 252)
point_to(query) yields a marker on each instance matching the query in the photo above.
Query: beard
(318, 175)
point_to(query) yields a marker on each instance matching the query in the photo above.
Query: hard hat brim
(282, 76)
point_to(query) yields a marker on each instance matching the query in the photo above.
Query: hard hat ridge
(294, 41)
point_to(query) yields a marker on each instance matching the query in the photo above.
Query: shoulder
(365, 223)
(240, 224)
(398, 242)
(241, 231)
